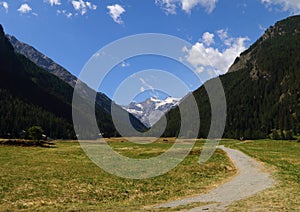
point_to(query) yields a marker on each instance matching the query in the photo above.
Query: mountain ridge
(49, 65)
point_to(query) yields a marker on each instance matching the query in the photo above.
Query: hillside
(44, 62)
(262, 88)
(24, 103)
(32, 96)
(49, 65)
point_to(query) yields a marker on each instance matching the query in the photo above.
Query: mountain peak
(151, 110)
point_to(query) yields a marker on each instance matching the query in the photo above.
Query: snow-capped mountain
(151, 110)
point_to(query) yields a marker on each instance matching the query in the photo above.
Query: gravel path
(249, 181)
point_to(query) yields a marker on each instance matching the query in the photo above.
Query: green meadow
(61, 177)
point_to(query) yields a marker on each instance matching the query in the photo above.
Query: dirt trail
(249, 181)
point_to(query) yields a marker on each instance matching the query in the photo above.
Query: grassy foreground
(283, 160)
(63, 178)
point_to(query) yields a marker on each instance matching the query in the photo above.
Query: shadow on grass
(27, 143)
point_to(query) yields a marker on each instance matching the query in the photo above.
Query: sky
(71, 32)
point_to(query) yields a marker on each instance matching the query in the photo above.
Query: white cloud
(200, 56)
(262, 28)
(115, 12)
(170, 6)
(125, 64)
(188, 5)
(53, 2)
(208, 38)
(145, 85)
(4, 4)
(24, 8)
(83, 6)
(91, 6)
(76, 5)
(292, 6)
(223, 35)
(67, 14)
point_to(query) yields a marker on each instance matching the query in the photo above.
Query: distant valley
(261, 87)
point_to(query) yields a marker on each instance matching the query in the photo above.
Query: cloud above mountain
(292, 6)
(170, 6)
(202, 54)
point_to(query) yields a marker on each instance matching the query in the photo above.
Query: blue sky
(71, 31)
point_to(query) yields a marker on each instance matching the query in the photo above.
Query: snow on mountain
(151, 110)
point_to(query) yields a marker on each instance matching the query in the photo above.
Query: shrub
(35, 133)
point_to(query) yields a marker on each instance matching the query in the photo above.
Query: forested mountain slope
(262, 88)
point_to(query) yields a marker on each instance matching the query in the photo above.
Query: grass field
(283, 161)
(63, 178)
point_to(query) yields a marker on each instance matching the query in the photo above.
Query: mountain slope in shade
(49, 65)
(42, 61)
(262, 88)
(27, 98)
(151, 110)
(30, 96)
